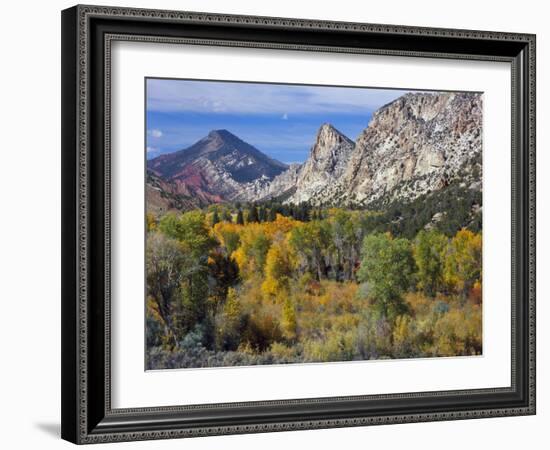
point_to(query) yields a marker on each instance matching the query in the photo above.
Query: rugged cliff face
(327, 162)
(280, 187)
(417, 144)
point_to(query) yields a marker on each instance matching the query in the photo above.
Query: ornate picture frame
(88, 33)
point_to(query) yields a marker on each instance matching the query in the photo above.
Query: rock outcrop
(417, 144)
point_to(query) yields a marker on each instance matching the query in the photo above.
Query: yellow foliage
(271, 286)
(151, 222)
(403, 333)
(288, 320)
(249, 244)
(254, 245)
(283, 307)
(240, 258)
(152, 310)
(282, 351)
(232, 307)
(458, 332)
(281, 225)
(228, 235)
(463, 261)
(279, 268)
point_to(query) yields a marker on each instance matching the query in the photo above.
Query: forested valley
(245, 284)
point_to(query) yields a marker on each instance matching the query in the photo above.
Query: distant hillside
(418, 144)
(215, 168)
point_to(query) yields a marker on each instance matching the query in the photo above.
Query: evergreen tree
(215, 217)
(291, 211)
(262, 215)
(252, 214)
(240, 218)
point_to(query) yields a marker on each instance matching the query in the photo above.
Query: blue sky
(280, 120)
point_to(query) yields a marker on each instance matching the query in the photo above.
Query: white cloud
(156, 133)
(152, 149)
(258, 98)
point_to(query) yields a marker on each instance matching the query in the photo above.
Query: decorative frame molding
(87, 34)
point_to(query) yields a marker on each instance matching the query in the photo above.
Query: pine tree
(252, 214)
(240, 218)
(215, 217)
(262, 214)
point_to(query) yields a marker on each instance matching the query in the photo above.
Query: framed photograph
(280, 224)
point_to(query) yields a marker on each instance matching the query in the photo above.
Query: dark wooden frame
(87, 32)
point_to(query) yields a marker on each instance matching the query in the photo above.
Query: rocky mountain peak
(417, 144)
(217, 140)
(215, 167)
(329, 137)
(329, 144)
(223, 135)
(326, 163)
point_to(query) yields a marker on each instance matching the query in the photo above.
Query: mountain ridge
(414, 145)
(215, 167)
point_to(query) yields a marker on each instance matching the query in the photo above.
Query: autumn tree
(150, 222)
(229, 323)
(228, 236)
(279, 269)
(388, 268)
(429, 254)
(251, 254)
(280, 226)
(310, 240)
(289, 323)
(463, 261)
